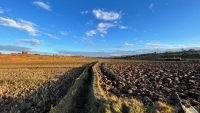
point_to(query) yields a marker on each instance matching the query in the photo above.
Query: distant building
(13, 53)
(24, 52)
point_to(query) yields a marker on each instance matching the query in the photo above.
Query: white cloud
(153, 44)
(3, 10)
(88, 41)
(114, 55)
(151, 6)
(107, 53)
(101, 35)
(109, 16)
(91, 43)
(127, 44)
(91, 33)
(31, 41)
(84, 12)
(21, 24)
(89, 23)
(157, 44)
(42, 5)
(52, 36)
(123, 27)
(64, 33)
(103, 27)
(15, 48)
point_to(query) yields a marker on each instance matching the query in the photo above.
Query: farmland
(34, 83)
(150, 82)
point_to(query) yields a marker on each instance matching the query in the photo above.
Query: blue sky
(99, 28)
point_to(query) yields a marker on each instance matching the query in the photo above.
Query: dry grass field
(36, 85)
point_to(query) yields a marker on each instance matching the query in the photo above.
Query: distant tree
(183, 50)
(0, 52)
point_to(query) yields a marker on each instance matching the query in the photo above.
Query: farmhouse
(24, 52)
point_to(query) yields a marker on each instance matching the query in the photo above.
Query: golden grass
(23, 80)
(66, 104)
(97, 96)
(31, 57)
(160, 107)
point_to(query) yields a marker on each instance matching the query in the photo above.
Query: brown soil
(152, 81)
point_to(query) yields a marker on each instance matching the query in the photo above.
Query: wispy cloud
(123, 27)
(89, 23)
(84, 12)
(14, 48)
(107, 53)
(21, 24)
(128, 44)
(88, 41)
(1, 11)
(75, 42)
(153, 45)
(103, 27)
(33, 42)
(64, 33)
(158, 45)
(91, 33)
(86, 53)
(42, 5)
(107, 16)
(52, 36)
(135, 30)
(4, 10)
(101, 35)
(151, 5)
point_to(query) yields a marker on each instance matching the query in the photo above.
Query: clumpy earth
(152, 81)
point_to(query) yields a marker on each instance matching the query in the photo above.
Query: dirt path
(81, 101)
(77, 100)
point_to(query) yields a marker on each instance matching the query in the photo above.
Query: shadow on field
(45, 97)
(80, 103)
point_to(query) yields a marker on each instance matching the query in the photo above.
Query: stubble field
(36, 86)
